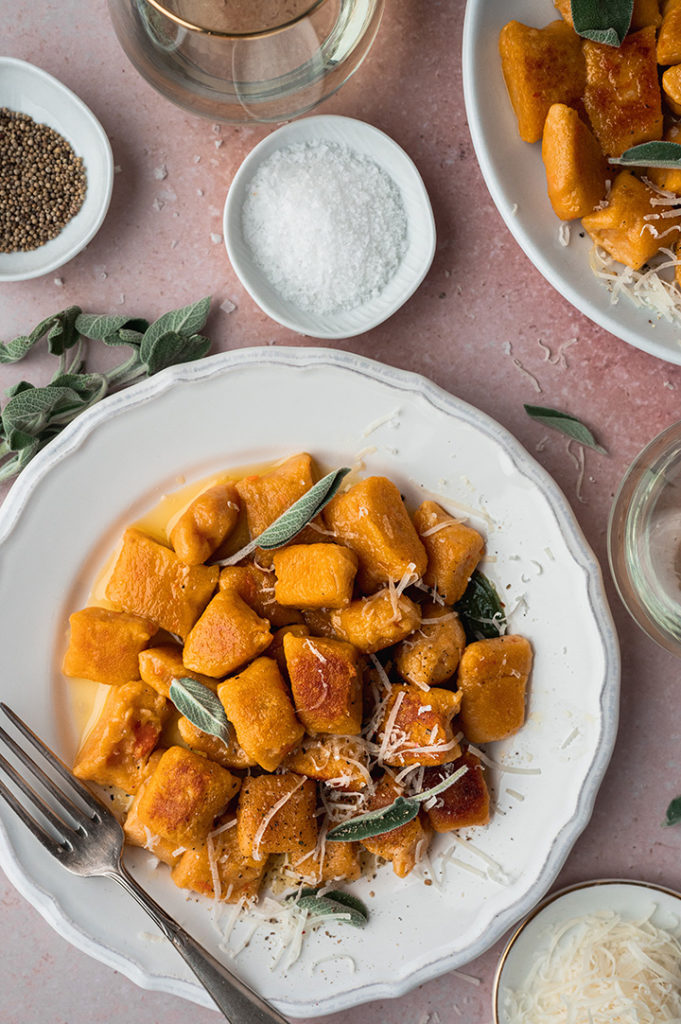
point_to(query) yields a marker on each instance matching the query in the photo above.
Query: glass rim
(202, 30)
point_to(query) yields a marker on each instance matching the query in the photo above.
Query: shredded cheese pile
(647, 289)
(602, 969)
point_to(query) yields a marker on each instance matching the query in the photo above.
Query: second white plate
(514, 174)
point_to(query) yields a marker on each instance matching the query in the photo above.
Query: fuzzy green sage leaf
(291, 522)
(650, 154)
(673, 815)
(401, 811)
(566, 424)
(481, 610)
(333, 901)
(602, 21)
(200, 705)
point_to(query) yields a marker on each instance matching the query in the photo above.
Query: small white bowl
(632, 900)
(370, 142)
(30, 90)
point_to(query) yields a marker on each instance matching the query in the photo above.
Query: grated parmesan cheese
(602, 969)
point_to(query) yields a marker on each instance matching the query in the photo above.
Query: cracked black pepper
(42, 182)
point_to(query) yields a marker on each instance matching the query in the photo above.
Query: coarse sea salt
(325, 224)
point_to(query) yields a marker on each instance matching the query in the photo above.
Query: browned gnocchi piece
(417, 726)
(492, 681)
(116, 750)
(205, 524)
(404, 846)
(454, 550)
(314, 575)
(258, 705)
(465, 802)
(104, 645)
(179, 593)
(430, 656)
(220, 859)
(326, 684)
(276, 814)
(184, 796)
(372, 520)
(228, 634)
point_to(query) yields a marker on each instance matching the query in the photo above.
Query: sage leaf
(185, 321)
(441, 786)
(201, 706)
(14, 351)
(291, 522)
(602, 21)
(100, 327)
(401, 811)
(566, 424)
(650, 154)
(33, 416)
(63, 334)
(332, 902)
(31, 409)
(481, 610)
(172, 348)
(673, 815)
(375, 823)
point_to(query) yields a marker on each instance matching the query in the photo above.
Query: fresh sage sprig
(402, 810)
(32, 416)
(602, 21)
(566, 424)
(650, 154)
(480, 609)
(334, 901)
(291, 522)
(673, 815)
(201, 706)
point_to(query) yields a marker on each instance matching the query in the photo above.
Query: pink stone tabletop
(155, 251)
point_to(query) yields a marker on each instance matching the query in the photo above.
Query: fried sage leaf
(334, 901)
(566, 424)
(291, 522)
(401, 811)
(650, 154)
(602, 21)
(375, 823)
(481, 610)
(200, 705)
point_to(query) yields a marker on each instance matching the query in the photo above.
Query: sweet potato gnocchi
(340, 661)
(588, 102)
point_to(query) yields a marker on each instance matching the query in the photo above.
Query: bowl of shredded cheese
(603, 952)
(329, 227)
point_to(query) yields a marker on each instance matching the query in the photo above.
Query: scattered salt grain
(325, 224)
(215, 238)
(161, 172)
(59, 281)
(228, 306)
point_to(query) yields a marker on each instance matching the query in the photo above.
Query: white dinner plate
(63, 516)
(514, 174)
(633, 901)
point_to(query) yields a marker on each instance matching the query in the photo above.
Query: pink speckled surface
(480, 294)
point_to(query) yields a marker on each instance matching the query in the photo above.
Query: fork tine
(50, 844)
(63, 828)
(77, 814)
(81, 790)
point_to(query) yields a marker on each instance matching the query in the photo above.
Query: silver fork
(86, 838)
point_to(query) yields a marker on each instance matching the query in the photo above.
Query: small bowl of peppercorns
(56, 172)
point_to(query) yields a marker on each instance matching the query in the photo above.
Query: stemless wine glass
(246, 60)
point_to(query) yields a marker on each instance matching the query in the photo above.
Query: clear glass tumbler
(644, 539)
(246, 60)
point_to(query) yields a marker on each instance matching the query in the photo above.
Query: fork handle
(239, 1003)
